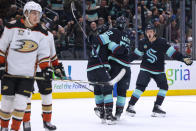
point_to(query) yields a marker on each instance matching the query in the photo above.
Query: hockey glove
(59, 71)
(187, 61)
(47, 74)
(2, 70)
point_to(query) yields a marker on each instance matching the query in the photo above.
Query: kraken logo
(150, 53)
(27, 46)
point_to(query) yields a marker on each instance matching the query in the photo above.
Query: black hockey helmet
(150, 27)
(121, 22)
(103, 28)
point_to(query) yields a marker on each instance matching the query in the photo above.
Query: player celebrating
(120, 36)
(153, 50)
(96, 71)
(21, 45)
(45, 89)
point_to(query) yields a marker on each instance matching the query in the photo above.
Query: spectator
(91, 10)
(1, 26)
(188, 49)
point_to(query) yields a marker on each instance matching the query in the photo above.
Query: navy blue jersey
(98, 56)
(119, 44)
(153, 54)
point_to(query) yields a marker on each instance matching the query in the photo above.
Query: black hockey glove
(47, 74)
(2, 70)
(59, 71)
(188, 61)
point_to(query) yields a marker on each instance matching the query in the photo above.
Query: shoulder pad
(14, 24)
(40, 29)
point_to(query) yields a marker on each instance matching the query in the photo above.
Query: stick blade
(118, 77)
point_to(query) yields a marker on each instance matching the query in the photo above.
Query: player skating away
(120, 37)
(153, 51)
(45, 89)
(22, 44)
(96, 71)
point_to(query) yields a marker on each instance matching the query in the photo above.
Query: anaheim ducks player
(45, 89)
(21, 45)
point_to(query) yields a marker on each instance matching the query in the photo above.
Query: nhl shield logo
(20, 32)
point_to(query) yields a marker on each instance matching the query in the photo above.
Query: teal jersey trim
(170, 51)
(99, 66)
(108, 98)
(162, 92)
(136, 51)
(99, 99)
(118, 61)
(137, 93)
(112, 46)
(152, 72)
(104, 38)
(120, 101)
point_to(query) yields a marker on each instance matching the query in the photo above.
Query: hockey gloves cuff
(187, 61)
(47, 73)
(59, 71)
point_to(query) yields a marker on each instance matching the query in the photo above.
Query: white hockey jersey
(53, 56)
(23, 47)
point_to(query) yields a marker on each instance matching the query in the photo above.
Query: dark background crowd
(57, 17)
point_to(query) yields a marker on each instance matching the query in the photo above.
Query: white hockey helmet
(31, 5)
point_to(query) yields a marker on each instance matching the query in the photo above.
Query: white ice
(78, 115)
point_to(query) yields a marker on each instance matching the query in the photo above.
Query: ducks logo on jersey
(27, 46)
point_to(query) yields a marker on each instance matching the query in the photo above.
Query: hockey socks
(17, 117)
(160, 97)
(27, 115)
(5, 118)
(135, 96)
(47, 112)
(120, 103)
(99, 100)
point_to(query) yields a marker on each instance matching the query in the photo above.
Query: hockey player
(96, 71)
(120, 36)
(153, 51)
(45, 89)
(22, 44)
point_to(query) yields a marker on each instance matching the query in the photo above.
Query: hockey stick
(72, 10)
(111, 82)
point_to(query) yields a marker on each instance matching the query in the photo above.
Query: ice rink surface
(78, 115)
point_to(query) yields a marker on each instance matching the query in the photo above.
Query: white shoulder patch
(12, 22)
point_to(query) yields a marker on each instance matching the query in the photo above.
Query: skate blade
(158, 115)
(109, 122)
(103, 121)
(97, 113)
(130, 114)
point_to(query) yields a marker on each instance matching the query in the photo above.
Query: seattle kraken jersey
(153, 54)
(119, 43)
(99, 55)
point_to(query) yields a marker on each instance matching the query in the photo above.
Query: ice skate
(49, 127)
(130, 111)
(110, 119)
(26, 126)
(99, 111)
(118, 113)
(4, 129)
(158, 112)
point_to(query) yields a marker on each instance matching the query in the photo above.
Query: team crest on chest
(20, 32)
(26, 46)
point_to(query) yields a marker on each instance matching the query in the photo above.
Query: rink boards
(181, 80)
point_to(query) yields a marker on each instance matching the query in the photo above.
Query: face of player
(150, 34)
(34, 17)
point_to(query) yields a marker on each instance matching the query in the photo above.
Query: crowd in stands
(164, 14)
